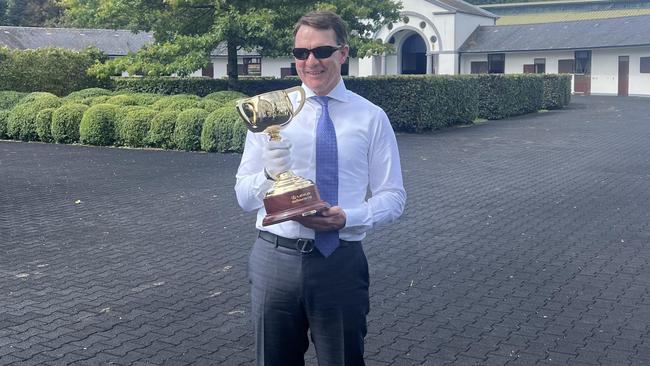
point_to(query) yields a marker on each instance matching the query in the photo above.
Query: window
(565, 66)
(540, 66)
(645, 65)
(583, 62)
(252, 66)
(479, 67)
(496, 63)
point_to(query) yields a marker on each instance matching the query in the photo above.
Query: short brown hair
(324, 20)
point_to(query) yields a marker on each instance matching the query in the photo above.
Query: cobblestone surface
(525, 241)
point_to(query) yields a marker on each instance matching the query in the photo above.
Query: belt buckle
(304, 246)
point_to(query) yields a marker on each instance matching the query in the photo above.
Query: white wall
(272, 66)
(604, 67)
(604, 71)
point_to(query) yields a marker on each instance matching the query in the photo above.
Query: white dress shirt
(371, 191)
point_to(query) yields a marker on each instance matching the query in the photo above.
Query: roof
(597, 33)
(463, 7)
(569, 16)
(111, 42)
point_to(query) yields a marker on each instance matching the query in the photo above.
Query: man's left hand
(329, 219)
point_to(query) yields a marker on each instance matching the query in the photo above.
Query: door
(623, 75)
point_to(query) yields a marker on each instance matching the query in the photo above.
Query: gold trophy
(290, 196)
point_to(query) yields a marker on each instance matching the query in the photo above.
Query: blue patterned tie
(327, 174)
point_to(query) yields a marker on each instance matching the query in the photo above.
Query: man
(311, 274)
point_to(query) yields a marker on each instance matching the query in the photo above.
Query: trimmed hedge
(557, 91)
(225, 96)
(97, 125)
(44, 124)
(161, 131)
(66, 121)
(9, 98)
(216, 134)
(133, 125)
(178, 102)
(187, 133)
(170, 85)
(55, 70)
(21, 123)
(501, 96)
(4, 116)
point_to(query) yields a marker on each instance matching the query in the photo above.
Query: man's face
(320, 75)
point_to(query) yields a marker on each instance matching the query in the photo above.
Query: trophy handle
(301, 91)
(243, 115)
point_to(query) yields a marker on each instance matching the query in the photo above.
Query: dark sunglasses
(319, 52)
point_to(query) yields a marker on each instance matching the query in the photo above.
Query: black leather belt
(301, 245)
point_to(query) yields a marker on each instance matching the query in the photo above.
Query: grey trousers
(293, 293)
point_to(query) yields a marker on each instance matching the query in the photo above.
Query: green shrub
(9, 98)
(133, 125)
(56, 70)
(65, 122)
(218, 129)
(38, 97)
(44, 123)
(177, 103)
(501, 96)
(161, 131)
(4, 115)
(123, 100)
(21, 123)
(557, 91)
(187, 133)
(97, 125)
(224, 96)
(239, 132)
(88, 93)
(209, 105)
(170, 85)
(103, 99)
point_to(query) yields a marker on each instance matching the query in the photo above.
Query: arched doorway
(414, 55)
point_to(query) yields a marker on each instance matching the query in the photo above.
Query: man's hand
(329, 219)
(276, 157)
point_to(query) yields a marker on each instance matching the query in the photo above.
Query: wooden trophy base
(289, 205)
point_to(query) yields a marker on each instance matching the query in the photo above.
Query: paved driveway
(524, 241)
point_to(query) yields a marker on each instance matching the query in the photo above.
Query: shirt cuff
(358, 219)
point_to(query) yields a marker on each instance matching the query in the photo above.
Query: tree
(186, 31)
(29, 13)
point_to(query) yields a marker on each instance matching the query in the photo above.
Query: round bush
(88, 93)
(209, 105)
(97, 100)
(37, 96)
(133, 125)
(187, 133)
(161, 131)
(224, 96)
(44, 123)
(9, 98)
(65, 122)
(21, 123)
(123, 100)
(87, 96)
(179, 102)
(97, 125)
(218, 128)
(239, 132)
(4, 115)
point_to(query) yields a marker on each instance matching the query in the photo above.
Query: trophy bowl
(290, 196)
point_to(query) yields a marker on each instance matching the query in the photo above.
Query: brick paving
(524, 241)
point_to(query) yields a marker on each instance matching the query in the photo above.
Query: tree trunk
(232, 65)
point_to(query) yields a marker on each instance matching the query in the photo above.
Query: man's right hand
(276, 157)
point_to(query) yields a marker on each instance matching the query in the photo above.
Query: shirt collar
(340, 92)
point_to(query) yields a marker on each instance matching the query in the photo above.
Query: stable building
(608, 56)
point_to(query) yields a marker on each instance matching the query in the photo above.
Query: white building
(607, 56)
